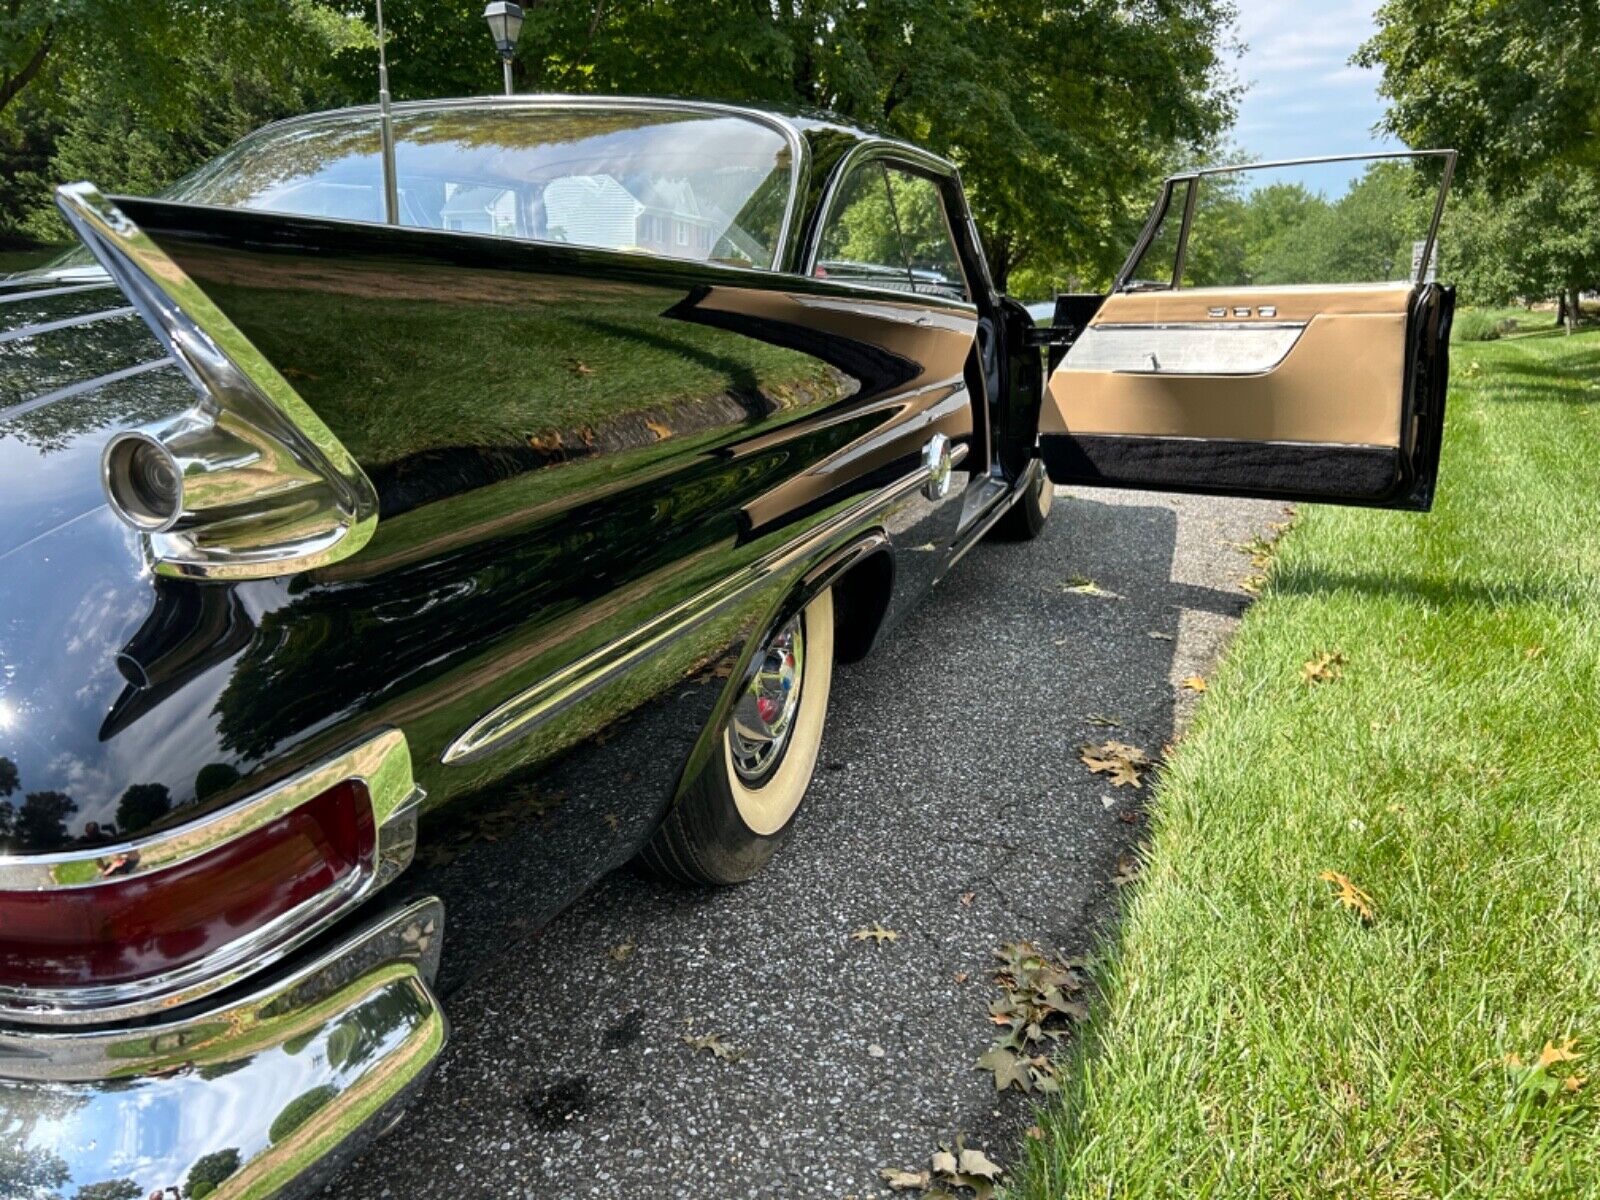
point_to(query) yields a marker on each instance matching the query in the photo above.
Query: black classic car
(351, 519)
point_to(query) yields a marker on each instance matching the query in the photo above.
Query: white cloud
(1303, 96)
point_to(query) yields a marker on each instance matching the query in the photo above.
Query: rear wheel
(734, 817)
(1026, 518)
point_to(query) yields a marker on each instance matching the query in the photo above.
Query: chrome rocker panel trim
(521, 714)
(357, 1028)
(382, 762)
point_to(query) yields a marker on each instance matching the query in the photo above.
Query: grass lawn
(24, 260)
(1256, 1037)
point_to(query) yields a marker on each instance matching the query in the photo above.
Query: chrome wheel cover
(764, 716)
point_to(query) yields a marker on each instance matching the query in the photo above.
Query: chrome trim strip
(973, 533)
(382, 762)
(44, 327)
(41, 293)
(517, 717)
(268, 489)
(1206, 349)
(84, 385)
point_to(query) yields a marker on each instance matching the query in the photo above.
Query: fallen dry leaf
(1034, 1132)
(1128, 869)
(904, 1181)
(1323, 667)
(967, 898)
(712, 1044)
(1082, 585)
(621, 952)
(579, 367)
(1103, 720)
(1194, 683)
(875, 933)
(1122, 762)
(976, 1162)
(661, 431)
(960, 977)
(1552, 1053)
(1159, 636)
(1349, 895)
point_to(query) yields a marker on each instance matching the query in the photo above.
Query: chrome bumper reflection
(268, 1096)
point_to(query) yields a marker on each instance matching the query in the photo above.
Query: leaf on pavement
(1082, 585)
(1323, 667)
(621, 952)
(1103, 720)
(714, 1045)
(1128, 870)
(875, 933)
(1159, 636)
(1349, 895)
(976, 1162)
(1194, 683)
(1122, 762)
(904, 1181)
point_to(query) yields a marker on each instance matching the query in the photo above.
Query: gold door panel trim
(1341, 382)
(1194, 305)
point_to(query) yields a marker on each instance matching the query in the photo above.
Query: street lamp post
(505, 26)
(391, 188)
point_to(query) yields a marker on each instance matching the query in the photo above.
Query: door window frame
(944, 176)
(1193, 178)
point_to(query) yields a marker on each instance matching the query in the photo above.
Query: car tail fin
(249, 482)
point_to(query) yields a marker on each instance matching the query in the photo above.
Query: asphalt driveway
(950, 807)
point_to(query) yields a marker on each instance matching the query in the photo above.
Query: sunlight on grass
(1258, 1038)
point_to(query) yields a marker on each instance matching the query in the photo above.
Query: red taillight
(122, 930)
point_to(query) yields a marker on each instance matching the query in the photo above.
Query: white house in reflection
(659, 215)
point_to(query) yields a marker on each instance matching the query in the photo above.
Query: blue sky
(1304, 98)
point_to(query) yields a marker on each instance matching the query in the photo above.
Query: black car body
(480, 530)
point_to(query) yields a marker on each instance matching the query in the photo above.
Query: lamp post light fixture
(505, 26)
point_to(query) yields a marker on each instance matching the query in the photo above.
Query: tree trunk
(1574, 309)
(12, 84)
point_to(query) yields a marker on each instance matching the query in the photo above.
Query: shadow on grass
(1441, 593)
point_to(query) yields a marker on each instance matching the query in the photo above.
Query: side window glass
(861, 240)
(1158, 263)
(925, 232)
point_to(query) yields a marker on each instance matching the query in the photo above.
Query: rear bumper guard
(266, 1096)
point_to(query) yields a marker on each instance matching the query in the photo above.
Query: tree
(111, 1189)
(136, 93)
(209, 1171)
(41, 824)
(1540, 241)
(141, 806)
(1510, 83)
(1061, 117)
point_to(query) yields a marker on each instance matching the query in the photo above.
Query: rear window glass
(687, 185)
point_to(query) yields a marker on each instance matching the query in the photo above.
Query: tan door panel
(1339, 382)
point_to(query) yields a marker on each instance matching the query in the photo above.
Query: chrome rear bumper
(269, 1095)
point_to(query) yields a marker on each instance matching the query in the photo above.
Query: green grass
(1256, 1039)
(12, 261)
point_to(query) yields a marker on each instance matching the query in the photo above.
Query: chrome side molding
(249, 483)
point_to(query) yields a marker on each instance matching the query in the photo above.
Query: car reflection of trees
(346, 647)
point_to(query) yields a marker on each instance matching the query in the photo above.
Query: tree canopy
(1061, 117)
(1512, 85)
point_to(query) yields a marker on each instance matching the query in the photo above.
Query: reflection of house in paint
(661, 216)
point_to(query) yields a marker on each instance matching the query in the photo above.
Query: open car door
(1276, 332)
